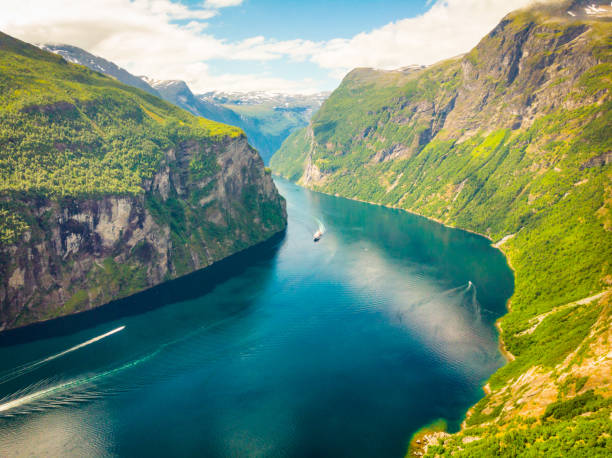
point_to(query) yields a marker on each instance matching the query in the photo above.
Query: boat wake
(29, 367)
(473, 301)
(320, 230)
(50, 393)
(45, 395)
(464, 294)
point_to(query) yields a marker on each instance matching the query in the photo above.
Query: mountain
(301, 102)
(173, 91)
(106, 190)
(268, 118)
(178, 93)
(97, 64)
(511, 140)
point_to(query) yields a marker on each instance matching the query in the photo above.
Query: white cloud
(448, 28)
(176, 10)
(222, 3)
(144, 37)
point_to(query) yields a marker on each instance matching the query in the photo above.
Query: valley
(267, 119)
(503, 141)
(204, 251)
(289, 347)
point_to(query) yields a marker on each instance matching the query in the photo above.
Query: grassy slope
(290, 158)
(485, 172)
(69, 134)
(68, 131)
(267, 126)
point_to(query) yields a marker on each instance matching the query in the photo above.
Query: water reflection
(335, 348)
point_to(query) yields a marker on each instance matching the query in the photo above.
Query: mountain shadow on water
(181, 289)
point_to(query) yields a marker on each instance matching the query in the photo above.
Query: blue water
(340, 348)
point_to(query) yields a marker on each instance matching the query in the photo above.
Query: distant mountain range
(178, 93)
(267, 119)
(280, 100)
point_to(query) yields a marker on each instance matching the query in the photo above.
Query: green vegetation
(292, 165)
(268, 123)
(544, 347)
(79, 300)
(417, 439)
(446, 144)
(586, 435)
(12, 226)
(578, 405)
(119, 277)
(78, 148)
(189, 230)
(69, 131)
(66, 131)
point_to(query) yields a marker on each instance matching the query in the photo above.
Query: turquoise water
(338, 348)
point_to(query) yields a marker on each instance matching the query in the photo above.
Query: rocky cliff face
(81, 253)
(529, 66)
(106, 190)
(512, 141)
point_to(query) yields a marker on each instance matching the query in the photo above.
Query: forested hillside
(106, 190)
(511, 140)
(267, 119)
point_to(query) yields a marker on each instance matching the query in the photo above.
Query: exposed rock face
(511, 140)
(312, 174)
(527, 67)
(81, 253)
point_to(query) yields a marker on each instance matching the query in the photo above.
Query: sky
(287, 46)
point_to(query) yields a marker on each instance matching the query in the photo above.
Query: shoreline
(412, 212)
(122, 307)
(508, 356)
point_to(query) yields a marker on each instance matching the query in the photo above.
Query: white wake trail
(66, 392)
(42, 395)
(24, 369)
(474, 302)
(321, 226)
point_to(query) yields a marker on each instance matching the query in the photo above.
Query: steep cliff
(106, 190)
(511, 140)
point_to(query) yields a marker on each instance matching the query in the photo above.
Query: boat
(317, 236)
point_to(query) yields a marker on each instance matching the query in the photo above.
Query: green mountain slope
(268, 119)
(106, 190)
(512, 141)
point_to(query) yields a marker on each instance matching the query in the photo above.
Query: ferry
(317, 236)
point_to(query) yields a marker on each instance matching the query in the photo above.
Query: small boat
(317, 236)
